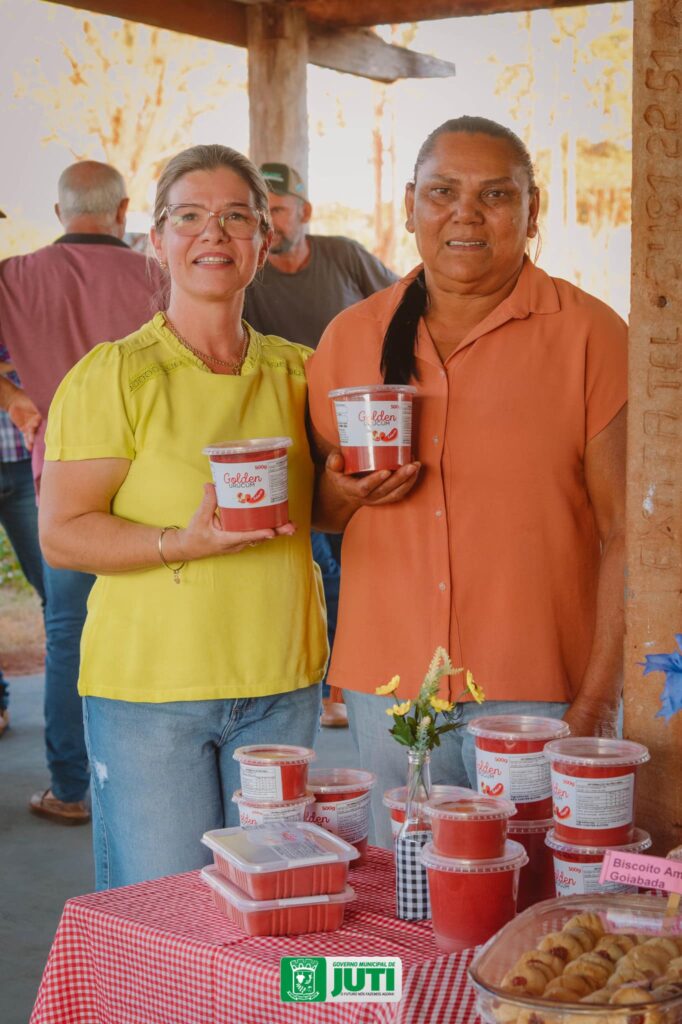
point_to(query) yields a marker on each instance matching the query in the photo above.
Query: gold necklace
(232, 364)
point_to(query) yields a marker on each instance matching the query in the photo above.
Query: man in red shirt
(55, 305)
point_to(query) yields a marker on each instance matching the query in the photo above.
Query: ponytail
(398, 363)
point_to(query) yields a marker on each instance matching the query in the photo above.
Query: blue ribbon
(671, 664)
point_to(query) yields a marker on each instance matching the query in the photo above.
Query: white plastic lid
(373, 391)
(597, 752)
(518, 727)
(242, 902)
(278, 846)
(458, 804)
(640, 843)
(300, 801)
(514, 857)
(340, 780)
(395, 799)
(274, 753)
(529, 828)
(251, 447)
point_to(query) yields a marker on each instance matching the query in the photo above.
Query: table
(160, 953)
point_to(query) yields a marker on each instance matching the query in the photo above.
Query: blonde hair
(211, 158)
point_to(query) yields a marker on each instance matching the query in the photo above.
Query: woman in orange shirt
(503, 541)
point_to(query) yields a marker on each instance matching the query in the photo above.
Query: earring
(163, 265)
(532, 230)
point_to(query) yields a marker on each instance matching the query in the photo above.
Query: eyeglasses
(190, 219)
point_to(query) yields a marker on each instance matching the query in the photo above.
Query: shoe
(4, 720)
(334, 715)
(46, 805)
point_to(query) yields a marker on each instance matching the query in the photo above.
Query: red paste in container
(342, 804)
(273, 772)
(577, 868)
(281, 860)
(277, 917)
(251, 482)
(375, 426)
(395, 800)
(537, 877)
(471, 900)
(510, 762)
(467, 824)
(256, 812)
(593, 789)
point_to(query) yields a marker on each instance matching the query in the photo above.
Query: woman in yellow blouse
(174, 678)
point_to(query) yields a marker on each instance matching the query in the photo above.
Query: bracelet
(175, 569)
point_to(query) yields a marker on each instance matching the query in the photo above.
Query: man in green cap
(305, 282)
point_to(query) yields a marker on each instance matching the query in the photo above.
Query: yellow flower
(440, 705)
(390, 687)
(475, 691)
(400, 709)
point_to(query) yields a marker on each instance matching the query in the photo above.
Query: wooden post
(278, 108)
(654, 510)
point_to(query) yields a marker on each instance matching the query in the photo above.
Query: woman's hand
(203, 536)
(338, 496)
(592, 718)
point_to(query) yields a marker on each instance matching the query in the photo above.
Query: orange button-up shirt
(495, 553)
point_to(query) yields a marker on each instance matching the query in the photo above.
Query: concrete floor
(45, 864)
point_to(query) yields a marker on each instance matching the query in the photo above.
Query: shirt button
(442, 586)
(442, 373)
(436, 440)
(439, 513)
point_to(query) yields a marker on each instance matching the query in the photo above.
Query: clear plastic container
(375, 426)
(273, 771)
(256, 812)
(468, 824)
(593, 789)
(251, 482)
(342, 804)
(279, 861)
(322, 913)
(472, 899)
(395, 800)
(510, 762)
(537, 877)
(642, 916)
(577, 868)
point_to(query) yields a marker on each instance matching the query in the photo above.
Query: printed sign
(642, 871)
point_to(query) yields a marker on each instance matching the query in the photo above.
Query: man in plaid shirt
(18, 513)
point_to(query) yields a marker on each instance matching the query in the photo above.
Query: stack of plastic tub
(472, 868)
(510, 762)
(593, 789)
(284, 878)
(341, 804)
(274, 781)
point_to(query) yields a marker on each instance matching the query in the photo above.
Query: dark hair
(398, 364)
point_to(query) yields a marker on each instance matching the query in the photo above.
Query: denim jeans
(327, 553)
(19, 517)
(65, 611)
(453, 763)
(163, 774)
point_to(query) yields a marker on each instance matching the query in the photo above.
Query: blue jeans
(452, 764)
(163, 774)
(327, 553)
(65, 611)
(19, 517)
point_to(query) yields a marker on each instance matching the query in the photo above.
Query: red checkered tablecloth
(160, 953)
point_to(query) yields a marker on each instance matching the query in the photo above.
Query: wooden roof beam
(224, 22)
(364, 13)
(361, 52)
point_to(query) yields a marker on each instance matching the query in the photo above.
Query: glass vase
(412, 891)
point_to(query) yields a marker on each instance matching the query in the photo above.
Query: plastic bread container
(279, 861)
(510, 760)
(322, 913)
(624, 923)
(468, 824)
(273, 771)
